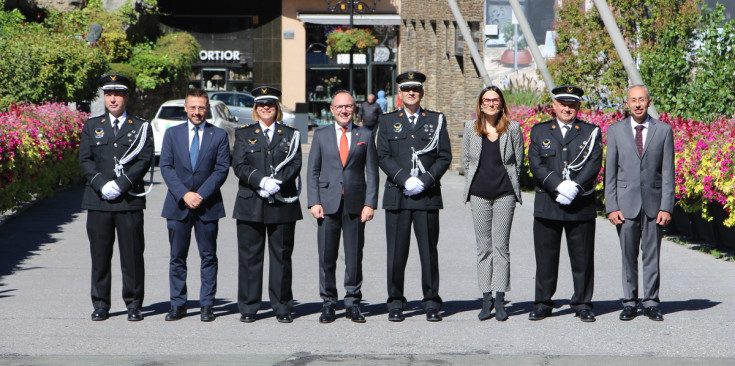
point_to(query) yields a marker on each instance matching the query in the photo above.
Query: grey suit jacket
(511, 150)
(326, 177)
(632, 181)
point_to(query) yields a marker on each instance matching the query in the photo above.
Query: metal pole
(621, 48)
(532, 45)
(352, 13)
(515, 46)
(479, 64)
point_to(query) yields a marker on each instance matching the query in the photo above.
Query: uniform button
(115, 144)
(564, 149)
(411, 136)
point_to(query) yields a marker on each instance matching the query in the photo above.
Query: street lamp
(351, 6)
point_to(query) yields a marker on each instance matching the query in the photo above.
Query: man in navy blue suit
(195, 161)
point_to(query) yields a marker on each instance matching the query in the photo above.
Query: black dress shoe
(176, 313)
(247, 318)
(628, 313)
(395, 315)
(100, 314)
(433, 315)
(135, 315)
(539, 314)
(327, 315)
(284, 318)
(653, 313)
(353, 313)
(207, 314)
(586, 315)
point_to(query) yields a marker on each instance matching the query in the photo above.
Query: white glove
(110, 190)
(568, 188)
(272, 186)
(563, 200)
(263, 193)
(413, 186)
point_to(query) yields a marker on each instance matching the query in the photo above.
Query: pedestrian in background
(492, 154)
(369, 113)
(115, 154)
(267, 161)
(195, 161)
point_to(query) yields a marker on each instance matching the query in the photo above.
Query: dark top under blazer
(252, 160)
(511, 152)
(97, 152)
(547, 153)
(212, 168)
(396, 141)
(327, 177)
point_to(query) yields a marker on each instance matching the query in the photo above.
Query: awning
(357, 19)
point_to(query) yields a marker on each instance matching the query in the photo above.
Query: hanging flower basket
(357, 39)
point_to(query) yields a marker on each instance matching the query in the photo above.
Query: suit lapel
(125, 127)
(503, 141)
(421, 120)
(277, 136)
(354, 136)
(556, 132)
(207, 132)
(652, 127)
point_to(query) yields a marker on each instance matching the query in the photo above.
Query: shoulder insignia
(141, 118)
(392, 112)
(432, 111)
(95, 117)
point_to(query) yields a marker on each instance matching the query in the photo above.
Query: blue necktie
(194, 150)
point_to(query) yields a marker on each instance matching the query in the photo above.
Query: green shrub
(168, 61)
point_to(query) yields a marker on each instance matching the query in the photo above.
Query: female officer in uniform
(267, 161)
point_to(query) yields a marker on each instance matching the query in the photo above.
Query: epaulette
(544, 122)
(281, 124)
(100, 116)
(394, 111)
(246, 126)
(432, 110)
(587, 123)
(142, 119)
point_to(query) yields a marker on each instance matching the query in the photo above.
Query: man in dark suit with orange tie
(342, 194)
(195, 161)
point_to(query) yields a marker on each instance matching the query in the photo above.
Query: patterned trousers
(492, 220)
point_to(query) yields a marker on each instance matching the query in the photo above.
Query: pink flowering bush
(39, 147)
(704, 156)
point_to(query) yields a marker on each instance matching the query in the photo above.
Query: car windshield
(176, 113)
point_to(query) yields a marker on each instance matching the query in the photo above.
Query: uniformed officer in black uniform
(414, 152)
(267, 161)
(565, 156)
(114, 195)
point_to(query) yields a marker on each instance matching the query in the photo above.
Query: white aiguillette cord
(139, 143)
(292, 149)
(433, 143)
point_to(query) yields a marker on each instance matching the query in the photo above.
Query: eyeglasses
(488, 101)
(348, 107)
(194, 108)
(416, 89)
(269, 103)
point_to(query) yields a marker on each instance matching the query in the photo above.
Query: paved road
(45, 306)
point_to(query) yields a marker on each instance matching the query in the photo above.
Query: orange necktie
(344, 148)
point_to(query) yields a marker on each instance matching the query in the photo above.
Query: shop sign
(227, 55)
(357, 58)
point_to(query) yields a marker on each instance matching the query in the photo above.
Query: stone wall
(427, 44)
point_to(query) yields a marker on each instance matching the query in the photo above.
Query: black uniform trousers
(251, 247)
(328, 234)
(580, 237)
(179, 236)
(398, 234)
(101, 227)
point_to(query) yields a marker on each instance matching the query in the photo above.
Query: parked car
(172, 113)
(241, 105)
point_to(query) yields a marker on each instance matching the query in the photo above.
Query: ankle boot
(500, 313)
(487, 306)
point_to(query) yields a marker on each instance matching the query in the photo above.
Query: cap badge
(546, 144)
(113, 77)
(410, 75)
(569, 89)
(264, 90)
(99, 133)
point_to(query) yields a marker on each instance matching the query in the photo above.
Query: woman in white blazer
(492, 155)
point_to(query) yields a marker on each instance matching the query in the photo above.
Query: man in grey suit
(342, 195)
(639, 197)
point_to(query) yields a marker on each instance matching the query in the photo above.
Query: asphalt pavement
(45, 304)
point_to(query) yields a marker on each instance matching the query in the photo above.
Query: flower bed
(704, 156)
(39, 147)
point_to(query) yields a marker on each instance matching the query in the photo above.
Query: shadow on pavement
(24, 234)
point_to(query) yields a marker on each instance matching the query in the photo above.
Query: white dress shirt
(270, 130)
(191, 133)
(338, 128)
(120, 120)
(633, 125)
(561, 126)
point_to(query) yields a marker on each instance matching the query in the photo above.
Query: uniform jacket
(252, 160)
(212, 168)
(547, 154)
(633, 181)
(396, 141)
(97, 152)
(511, 151)
(327, 178)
